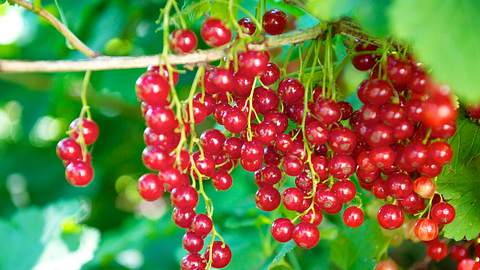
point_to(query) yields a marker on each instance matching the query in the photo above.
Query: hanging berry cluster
(74, 150)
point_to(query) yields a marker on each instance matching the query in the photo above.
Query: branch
(202, 56)
(71, 38)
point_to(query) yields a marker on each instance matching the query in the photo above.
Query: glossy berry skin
(184, 197)
(155, 158)
(327, 112)
(313, 216)
(291, 91)
(466, 264)
(267, 198)
(252, 150)
(438, 110)
(378, 92)
(341, 166)
(222, 180)
(153, 89)
(193, 261)
(205, 165)
(442, 213)
(344, 190)
(268, 176)
(69, 150)
(270, 75)
(166, 141)
(426, 229)
(353, 217)
(458, 252)
(183, 217)
(252, 63)
(274, 22)
(243, 85)
(316, 133)
(161, 119)
(399, 186)
(212, 141)
(328, 201)
(150, 187)
(233, 147)
(306, 235)
(292, 165)
(280, 120)
(183, 41)
(265, 100)
(220, 253)
(437, 250)
(79, 173)
(215, 33)
(88, 128)
(292, 198)
(440, 152)
(424, 187)
(399, 72)
(364, 61)
(234, 120)
(342, 140)
(201, 225)
(247, 25)
(172, 178)
(192, 242)
(390, 216)
(381, 157)
(282, 229)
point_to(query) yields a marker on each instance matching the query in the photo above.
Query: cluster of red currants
(460, 252)
(401, 139)
(74, 153)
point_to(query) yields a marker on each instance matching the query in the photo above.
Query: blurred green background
(48, 224)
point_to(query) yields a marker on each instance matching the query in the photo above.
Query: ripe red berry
(150, 187)
(222, 180)
(270, 75)
(183, 217)
(79, 173)
(233, 146)
(183, 41)
(390, 216)
(69, 150)
(327, 112)
(193, 261)
(247, 26)
(424, 187)
(291, 91)
(161, 119)
(268, 176)
(378, 92)
(292, 165)
(252, 63)
(426, 229)
(353, 216)
(282, 229)
(274, 22)
(156, 159)
(341, 166)
(328, 201)
(342, 140)
(267, 198)
(220, 254)
(280, 120)
(399, 185)
(344, 190)
(184, 197)
(442, 213)
(316, 133)
(215, 33)
(437, 250)
(306, 235)
(212, 141)
(201, 225)
(292, 198)
(440, 152)
(264, 100)
(192, 242)
(205, 165)
(438, 110)
(153, 89)
(234, 120)
(399, 72)
(88, 128)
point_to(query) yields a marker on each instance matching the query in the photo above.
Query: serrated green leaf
(459, 182)
(346, 252)
(444, 35)
(284, 250)
(370, 14)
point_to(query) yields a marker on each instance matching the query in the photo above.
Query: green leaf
(370, 14)
(460, 181)
(41, 238)
(276, 258)
(444, 35)
(358, 248)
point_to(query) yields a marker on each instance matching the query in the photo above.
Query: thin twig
(62, 28)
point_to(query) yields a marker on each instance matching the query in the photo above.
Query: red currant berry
(353, 216)
(201, 225)
(153, 89)
(292, 165)
(438, 110)
(282, 229)
(252, 63)
(88, 128)
(399, 72)
(149, 187)
(193, 261)
(291, 91)
(306, 235)
(442, 213)
(79, 173)
(192, 242)
(233, 147)
(378, 92)
(212, 141)
(437, 250)
(440, 152)
(222, 180)
(184, 197)
(390, 216)
(274, 22)
(341, 166)
(466, 264)
(267, 198)
(342, 140)
(247, 26)
(344, 190)
(172, 178)
(183, 41)
(69, 150)
(279, 119)
(268, 176)
(220, 254)
(426, 229)
(205, 165)
(234, 120)
(215, 33)
(183, 217)
(316, 133)
(424, 187)
(270, 75)
(161, 119)
(328, 201)
(292, 198)
(264, 100)
(156, 159)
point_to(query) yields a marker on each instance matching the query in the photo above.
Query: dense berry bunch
(463, 253)
(73, 151)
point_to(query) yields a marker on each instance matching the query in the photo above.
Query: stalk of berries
(73, 150)
(402, 130)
